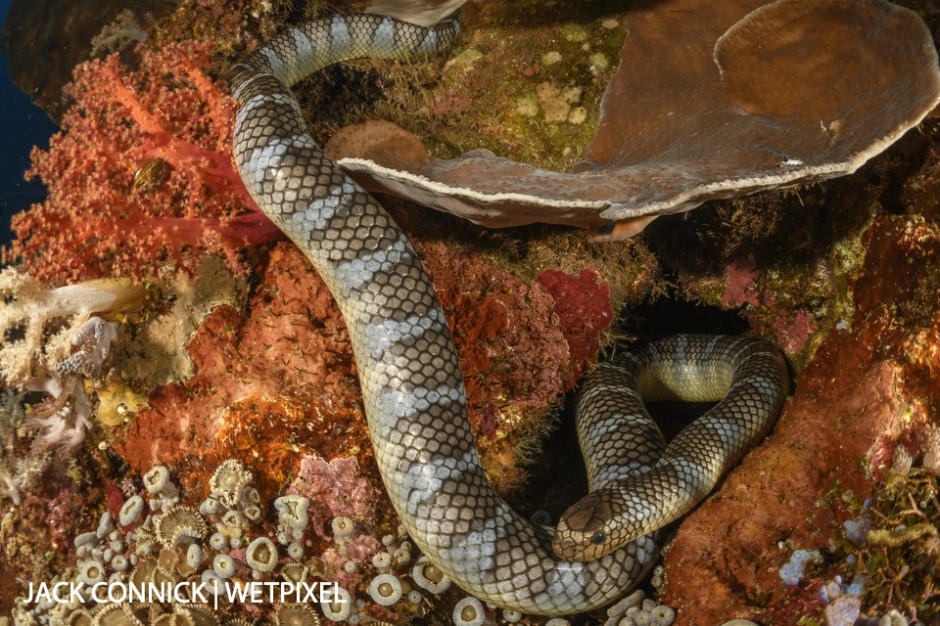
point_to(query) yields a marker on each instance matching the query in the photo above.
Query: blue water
(22, 125)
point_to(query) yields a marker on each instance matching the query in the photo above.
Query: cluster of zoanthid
(157, 540)
(638, 610)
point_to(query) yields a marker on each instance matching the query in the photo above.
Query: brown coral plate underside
(709, 102)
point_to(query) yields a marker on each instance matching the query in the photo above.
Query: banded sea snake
(411, 384)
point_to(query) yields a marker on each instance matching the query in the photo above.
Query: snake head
(586, 531)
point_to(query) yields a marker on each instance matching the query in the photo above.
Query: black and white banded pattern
(660, 484)
(411, 384)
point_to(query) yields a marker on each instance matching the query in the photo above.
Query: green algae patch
(527, 91)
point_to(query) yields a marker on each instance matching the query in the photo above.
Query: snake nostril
(599, 537)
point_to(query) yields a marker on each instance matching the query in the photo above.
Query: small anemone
(169, 569)
(223, 565)
(80, 617)
(233, 519)
(180, 524)
(295, 572)
(131, 510)
(210, 506)
(343, 527)
(635, 599)
(469, 612)
(157, 480)
(296, 615)
(385, 589)
(201, 614)
(145, 542)
(295, 550)
(429, 577)
(381, 560)
(194, 555)
(168, 559)
(339, 607)
(181, 618)
(229, 482)
(662, 615)
(218, 542)
(91, 572)
(163, 577)
(253, 512)
(292, 510)
(105, 525)
(261, 554)
(214, 585)
(144, 571)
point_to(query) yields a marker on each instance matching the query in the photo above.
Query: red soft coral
(140, 174)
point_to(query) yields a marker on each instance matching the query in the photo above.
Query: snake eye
(599, 537)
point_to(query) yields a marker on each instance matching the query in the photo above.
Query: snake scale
(411, 384)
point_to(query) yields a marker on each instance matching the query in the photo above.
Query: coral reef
(217, 549)
(28, 306)
(899, 552)
(247, 358)
(18, 470)
(658, 114)
(53, 344)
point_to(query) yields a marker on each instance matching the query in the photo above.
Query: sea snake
(412, 388)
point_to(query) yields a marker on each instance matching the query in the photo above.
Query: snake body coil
(411, 384)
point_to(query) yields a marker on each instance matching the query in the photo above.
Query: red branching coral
(140, 174)
(583, 306)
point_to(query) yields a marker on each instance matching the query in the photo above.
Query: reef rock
(868, 385)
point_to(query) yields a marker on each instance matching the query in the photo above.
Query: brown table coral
(741, 98)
